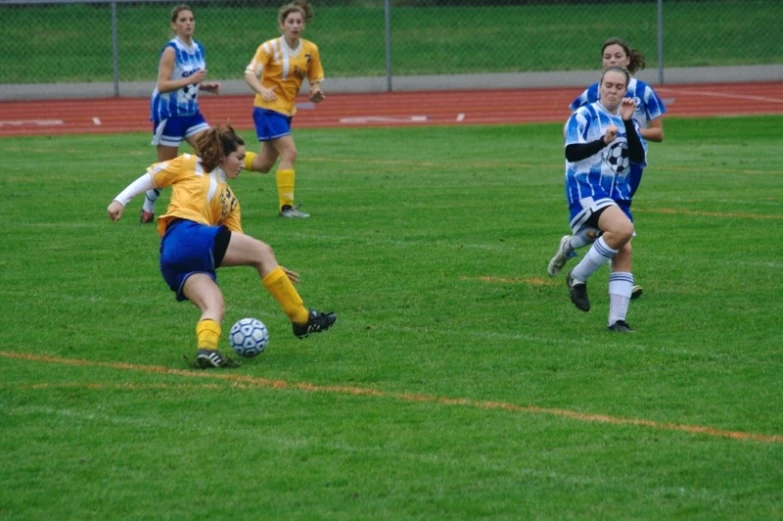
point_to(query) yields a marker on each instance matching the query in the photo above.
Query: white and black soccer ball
(617, 158)
(190, 92)
(248, 337)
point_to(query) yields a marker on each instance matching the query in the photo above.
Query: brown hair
(636, 62)
(215, 144)
(617, 68)
(178, 9)
(301, 6)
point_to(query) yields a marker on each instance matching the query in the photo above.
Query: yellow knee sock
(249, 157)
(285, 187)
(208, 334)
(279, 285)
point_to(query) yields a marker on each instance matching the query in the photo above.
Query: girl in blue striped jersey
(174, 108)
(602, 144)
(648, 114)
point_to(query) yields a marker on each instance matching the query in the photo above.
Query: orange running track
(490, 107)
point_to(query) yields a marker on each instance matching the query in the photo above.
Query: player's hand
(292, 275)
(268, 94)
(627, 108)
(317, 96)
(115, 210)
(197, 77)
(213, 87)
(611, 133)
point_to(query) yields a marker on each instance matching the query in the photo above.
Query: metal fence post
(115, 50)
(387, 27)
(660, 42)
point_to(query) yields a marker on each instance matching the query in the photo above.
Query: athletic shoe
(636, 292)
(316, 322)
(211, 359)
(146, 217)
(577, 290)
(293, 212)
(621, 326)
(561, 257)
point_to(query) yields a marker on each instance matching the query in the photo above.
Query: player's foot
(621, 326)
(212, 359)
(293, 212)
(146, 217)
(636, 292)
(577, 290)
(564, 252)
(316, 323)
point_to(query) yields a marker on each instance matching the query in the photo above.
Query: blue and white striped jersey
(603, 175)
(648, 105)
(184, 101)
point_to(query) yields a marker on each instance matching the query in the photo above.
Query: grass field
(459, 381)
(72, 43)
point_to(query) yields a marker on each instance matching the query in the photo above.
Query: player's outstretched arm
(139, 186)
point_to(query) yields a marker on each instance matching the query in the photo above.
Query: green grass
(459, 381)
(72, 43)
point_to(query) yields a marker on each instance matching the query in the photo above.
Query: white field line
(288, 443)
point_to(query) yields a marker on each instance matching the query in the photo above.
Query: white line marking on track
(32, 122)
(722, 95)
(383, 119)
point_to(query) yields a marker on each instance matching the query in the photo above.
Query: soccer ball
(617, 157)
(248, 337)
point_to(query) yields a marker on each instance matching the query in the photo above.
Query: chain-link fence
(70, 47)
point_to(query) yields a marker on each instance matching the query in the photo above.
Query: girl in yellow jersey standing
(276, 74)
(202, 231)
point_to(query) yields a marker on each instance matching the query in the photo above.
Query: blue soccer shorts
(172, 131)
(188, 248)
(270, 124)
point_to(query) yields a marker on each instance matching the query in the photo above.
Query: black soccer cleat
(211, 359)
(621, 326)
(316, 323)
(577, 290)
(636, 292)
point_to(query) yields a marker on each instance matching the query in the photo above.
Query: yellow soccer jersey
(277, 65)
(197, 195)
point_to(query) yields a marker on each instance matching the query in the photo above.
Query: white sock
(149, 201)
(598, 255)
(620, 286)
(581, 239)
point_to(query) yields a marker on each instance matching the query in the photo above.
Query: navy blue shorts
(270, 124)
(189, 247)
(172, 131)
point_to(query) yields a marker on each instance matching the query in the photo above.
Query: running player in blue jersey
(275, 74)
(202, 231)
(602, 145)
(649, 112)
(174, 109)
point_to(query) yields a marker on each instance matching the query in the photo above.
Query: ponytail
(217, 143)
